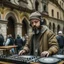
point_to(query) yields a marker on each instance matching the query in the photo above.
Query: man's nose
(34, 24)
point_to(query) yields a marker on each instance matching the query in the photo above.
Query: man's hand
(22, 52)
(45, 54)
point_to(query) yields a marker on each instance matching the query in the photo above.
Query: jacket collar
(44, 28)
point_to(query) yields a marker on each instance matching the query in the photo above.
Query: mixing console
(18, 59)
(28, 59)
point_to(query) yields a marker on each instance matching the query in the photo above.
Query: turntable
(49, 60)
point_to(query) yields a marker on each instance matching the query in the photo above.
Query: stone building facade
(13, 19)
(14, 15)
(52, 12)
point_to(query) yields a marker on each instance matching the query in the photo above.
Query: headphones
(41, 22)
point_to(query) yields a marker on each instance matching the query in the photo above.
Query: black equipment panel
(18, 59)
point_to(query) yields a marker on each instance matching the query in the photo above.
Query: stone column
(30, 31)
(3, 28)
(18, 29)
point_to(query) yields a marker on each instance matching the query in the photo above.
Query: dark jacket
(11, 41)
(19, 42)
(60, 40)
(1, 40)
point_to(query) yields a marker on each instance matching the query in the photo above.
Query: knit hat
(35, 15)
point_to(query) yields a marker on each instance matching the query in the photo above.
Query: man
(19, 42)
(60, 39)
(43, 41)
(10, 41)
(1, 39)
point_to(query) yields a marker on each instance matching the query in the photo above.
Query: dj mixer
(28, 59)
(20, 59)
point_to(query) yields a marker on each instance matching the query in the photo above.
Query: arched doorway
(44, 8)
(50, 25)
(24, 27)
(36, 5)
(58, 28)
(53, 27)
(11, 27)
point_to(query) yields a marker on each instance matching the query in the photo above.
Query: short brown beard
(36, 30)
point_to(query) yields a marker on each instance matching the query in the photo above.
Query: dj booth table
(3, 62)
(62, 62)
(6, 49)
(16, 59)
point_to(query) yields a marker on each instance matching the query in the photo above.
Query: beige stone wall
(54, 20)
(56, 9)
(19, 16)
(5, 14)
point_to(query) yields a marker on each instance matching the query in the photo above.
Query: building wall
(57, 19)
(17, 16)
(56, 9)
(20, 16)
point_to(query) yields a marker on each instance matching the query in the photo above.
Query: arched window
(58, 28)
(58, 15)
(52, 13)
(25, 27)
(53, 27)
(50, 25)
(44, 7)
(36, 5)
